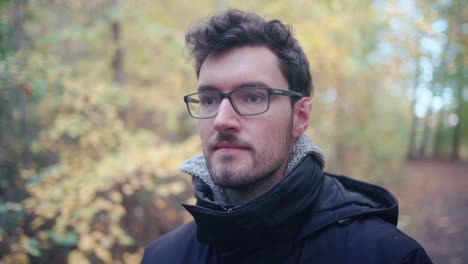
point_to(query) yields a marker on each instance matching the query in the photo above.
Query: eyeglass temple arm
(191, 100)
(284, 92)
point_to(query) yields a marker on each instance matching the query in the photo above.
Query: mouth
(228, 146)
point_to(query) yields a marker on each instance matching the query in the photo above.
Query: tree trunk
(426, 131)
(23, 89)
(436, 154)
(458, 127)
(118, 58)
(460, 80)
(17, 19)
(341, 146)
(410, 154)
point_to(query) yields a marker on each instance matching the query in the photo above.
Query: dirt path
(434, 208)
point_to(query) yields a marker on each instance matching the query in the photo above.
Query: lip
(228, 146)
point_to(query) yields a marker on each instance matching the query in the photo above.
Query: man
(262, 196)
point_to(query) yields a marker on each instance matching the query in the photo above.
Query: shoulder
(173, 247)
(366, 240)
(381, 234)
(381, 240)
(175, 237)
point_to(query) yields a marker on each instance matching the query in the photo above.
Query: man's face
(246, 150)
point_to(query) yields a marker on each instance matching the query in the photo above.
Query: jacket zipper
(226, 208)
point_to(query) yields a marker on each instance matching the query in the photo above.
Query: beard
(257, 167)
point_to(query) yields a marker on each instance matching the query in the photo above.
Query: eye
(250, 97)
(254, 98)
(208, 100)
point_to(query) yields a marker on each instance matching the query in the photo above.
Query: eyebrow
(206, 87)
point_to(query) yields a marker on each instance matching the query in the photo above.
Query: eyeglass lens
(249, 101)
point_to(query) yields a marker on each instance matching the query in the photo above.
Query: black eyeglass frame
(270, 91)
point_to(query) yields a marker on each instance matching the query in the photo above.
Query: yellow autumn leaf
(86, 243)
(177, 187)
(130, 258)
(103, 254)
(160, 203)
(127, 189)
(77, 257)
(116, 196)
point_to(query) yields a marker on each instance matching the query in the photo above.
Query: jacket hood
(343, 199)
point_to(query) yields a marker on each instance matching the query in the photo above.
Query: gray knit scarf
(196, 166)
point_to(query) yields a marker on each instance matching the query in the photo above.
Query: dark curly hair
(235, 28)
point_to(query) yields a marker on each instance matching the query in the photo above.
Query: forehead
(250, 64)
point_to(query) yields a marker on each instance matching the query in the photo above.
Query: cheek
(280, 118)
(271, 131)
(204, 130)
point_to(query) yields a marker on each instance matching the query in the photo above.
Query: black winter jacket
(309, 217)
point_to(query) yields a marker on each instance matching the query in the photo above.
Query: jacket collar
(273, 216)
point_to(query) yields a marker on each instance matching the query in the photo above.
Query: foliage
(90, 165)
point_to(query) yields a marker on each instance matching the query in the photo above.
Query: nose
(227, 118)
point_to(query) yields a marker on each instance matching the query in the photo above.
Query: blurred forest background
(93, 126)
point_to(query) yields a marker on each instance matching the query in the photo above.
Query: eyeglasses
(245, 101)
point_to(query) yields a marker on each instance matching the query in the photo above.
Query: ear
(302, 111)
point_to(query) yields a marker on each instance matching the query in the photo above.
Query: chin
(229, 178)
(239, 179)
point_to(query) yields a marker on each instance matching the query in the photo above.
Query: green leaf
(41, 177)
(126, 240)
(32, 246)
(67, 239)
